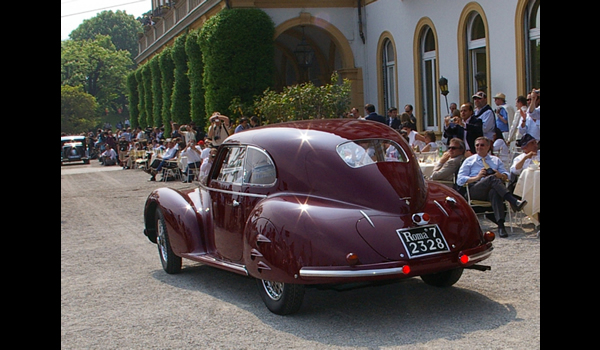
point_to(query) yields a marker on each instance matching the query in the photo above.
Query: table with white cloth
(528, 188)
(427, 168)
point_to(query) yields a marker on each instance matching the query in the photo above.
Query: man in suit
(371, 115)
(448, 165)
(473, 127)
(392, 118)
(484, 112)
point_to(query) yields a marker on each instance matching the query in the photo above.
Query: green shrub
(167, 70)
(180, 100)
(238, 52)
(195, 71)
(305, 101)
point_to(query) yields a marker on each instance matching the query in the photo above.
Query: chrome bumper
(315, 272)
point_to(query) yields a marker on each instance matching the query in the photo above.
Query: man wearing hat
(530, 153)
(504, 114)
(484, 112)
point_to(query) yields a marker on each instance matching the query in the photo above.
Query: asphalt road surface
(115, 295)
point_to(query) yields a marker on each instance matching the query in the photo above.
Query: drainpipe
(360, 24)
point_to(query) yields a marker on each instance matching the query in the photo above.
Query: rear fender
(452, 212)
(285, 233)
(183, 217)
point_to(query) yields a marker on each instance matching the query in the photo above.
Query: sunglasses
(452, 147)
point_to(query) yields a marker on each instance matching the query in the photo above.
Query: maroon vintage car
(319, 202)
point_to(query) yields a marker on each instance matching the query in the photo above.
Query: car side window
(258, 168)
(232, 168)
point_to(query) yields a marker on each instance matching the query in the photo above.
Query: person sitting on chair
(159, 162)
(448, 165)
(485, 175)
(193, 153)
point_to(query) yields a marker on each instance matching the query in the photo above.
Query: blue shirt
(499, 123)
(473, 165)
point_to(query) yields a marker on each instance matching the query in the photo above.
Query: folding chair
(171, 168)
(485, 207)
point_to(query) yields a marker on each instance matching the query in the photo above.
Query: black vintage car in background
(73, 149)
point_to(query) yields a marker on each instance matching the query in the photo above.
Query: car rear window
(363, 152)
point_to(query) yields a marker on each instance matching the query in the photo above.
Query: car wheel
(281, 298)
(171, 263)
(444, 278)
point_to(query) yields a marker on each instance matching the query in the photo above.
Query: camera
(489, 171)
(537, 92)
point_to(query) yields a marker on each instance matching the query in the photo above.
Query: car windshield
(359, 153)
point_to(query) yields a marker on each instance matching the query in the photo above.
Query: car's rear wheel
(171, 263)
(444, 278)
(281, 298)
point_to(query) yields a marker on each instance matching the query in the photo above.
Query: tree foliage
(78, 110)
(121, 27)
(98, 67)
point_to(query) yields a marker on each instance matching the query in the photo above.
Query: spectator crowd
(481, 147)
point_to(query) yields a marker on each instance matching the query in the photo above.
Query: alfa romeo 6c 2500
(317, 203)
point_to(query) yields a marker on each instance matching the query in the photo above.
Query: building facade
(393, 51)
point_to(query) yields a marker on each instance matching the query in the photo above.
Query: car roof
(73, 137)
(316, 132)
(307, 160)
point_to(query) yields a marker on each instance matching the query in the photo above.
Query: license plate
(423, 240)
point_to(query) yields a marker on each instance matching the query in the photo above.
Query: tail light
(352, 259)
(420, 218)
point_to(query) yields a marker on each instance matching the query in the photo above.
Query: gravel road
(115, 295)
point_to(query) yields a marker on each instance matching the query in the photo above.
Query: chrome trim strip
(309, 272)
(233, 192)
(367, 217)
(441, 208)
(211, 260)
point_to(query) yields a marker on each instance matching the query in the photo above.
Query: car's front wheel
(281, 298)
(444, 278)
(171, 263)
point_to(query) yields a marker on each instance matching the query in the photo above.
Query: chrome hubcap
(274, 289)
(161, 242)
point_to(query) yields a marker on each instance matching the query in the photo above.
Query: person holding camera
(485, 175)
(530, 122)
(218, 129)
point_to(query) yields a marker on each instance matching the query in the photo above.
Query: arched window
(429, 80)
(533, 54)
(477, 54)
(389, 75)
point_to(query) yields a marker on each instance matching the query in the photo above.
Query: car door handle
(235, 203)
